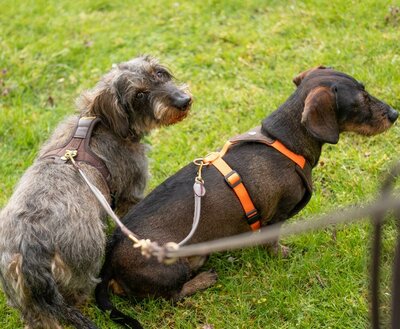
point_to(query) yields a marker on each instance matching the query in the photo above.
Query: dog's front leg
(275, 248)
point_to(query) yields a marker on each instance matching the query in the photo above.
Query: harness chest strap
(234, 180)
(79, 142)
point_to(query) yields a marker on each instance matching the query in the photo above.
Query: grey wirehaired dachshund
(52, 237)
(325, 104)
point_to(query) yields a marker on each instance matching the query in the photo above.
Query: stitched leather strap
(80, 142)
(255, 135)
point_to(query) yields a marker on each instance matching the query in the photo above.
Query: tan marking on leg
(61, 272)
(15, 273)
(116, 288)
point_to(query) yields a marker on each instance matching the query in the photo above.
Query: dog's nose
(393, 115)
(181, 101)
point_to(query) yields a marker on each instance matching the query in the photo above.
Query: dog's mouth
(176, 116)
(380, 121)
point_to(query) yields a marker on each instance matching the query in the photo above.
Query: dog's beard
(375, 127)
(168, 115)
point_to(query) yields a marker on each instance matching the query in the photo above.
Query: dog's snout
(393, 115)
(181, 101)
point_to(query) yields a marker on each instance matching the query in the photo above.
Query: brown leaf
(50, 101)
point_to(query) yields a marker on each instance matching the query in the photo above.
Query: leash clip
(198, 178)
(200, 163)
(69, 155)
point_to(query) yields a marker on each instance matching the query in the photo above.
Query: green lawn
(239, 58)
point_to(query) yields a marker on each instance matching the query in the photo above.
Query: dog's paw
(278, 250)
(201, 281)
(206, 279)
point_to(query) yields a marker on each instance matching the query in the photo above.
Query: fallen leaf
(50, 101)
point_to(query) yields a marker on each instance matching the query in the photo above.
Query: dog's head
(137, 96)
(336, 102)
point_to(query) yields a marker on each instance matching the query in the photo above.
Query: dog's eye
(160, 74)
(139, 95)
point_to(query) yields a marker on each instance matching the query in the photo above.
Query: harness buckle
(233, 179)
(252, 216)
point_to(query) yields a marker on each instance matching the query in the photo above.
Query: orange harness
(234, 180)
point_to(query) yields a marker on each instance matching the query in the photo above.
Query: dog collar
(79, 145)
(234, 180)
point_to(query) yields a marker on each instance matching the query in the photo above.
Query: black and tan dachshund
(325, 103)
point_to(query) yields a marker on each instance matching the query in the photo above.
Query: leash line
(199, 192)
(148, 248)
(273, 232)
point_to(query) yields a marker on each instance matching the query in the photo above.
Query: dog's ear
(319, 116)
(107, 107)
(298, 79)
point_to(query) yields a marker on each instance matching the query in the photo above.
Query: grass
(239, 58)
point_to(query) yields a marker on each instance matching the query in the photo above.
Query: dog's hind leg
(201, 281)
(34, 287)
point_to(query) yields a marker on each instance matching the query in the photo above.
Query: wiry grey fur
(52, 236)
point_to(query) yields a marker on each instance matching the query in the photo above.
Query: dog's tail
(35, 289)
(103, 297)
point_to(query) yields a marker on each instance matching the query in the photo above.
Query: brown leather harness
(78, 144)
(233, 179)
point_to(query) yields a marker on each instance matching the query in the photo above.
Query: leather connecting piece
(78, 143)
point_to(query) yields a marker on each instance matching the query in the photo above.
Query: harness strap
(255, 135)
(298, 159)
(234, 180)
(79, 142)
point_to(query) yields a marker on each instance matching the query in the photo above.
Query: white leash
(199, 191)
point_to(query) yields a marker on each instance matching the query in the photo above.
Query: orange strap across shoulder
(298, 159)
(234, 180)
